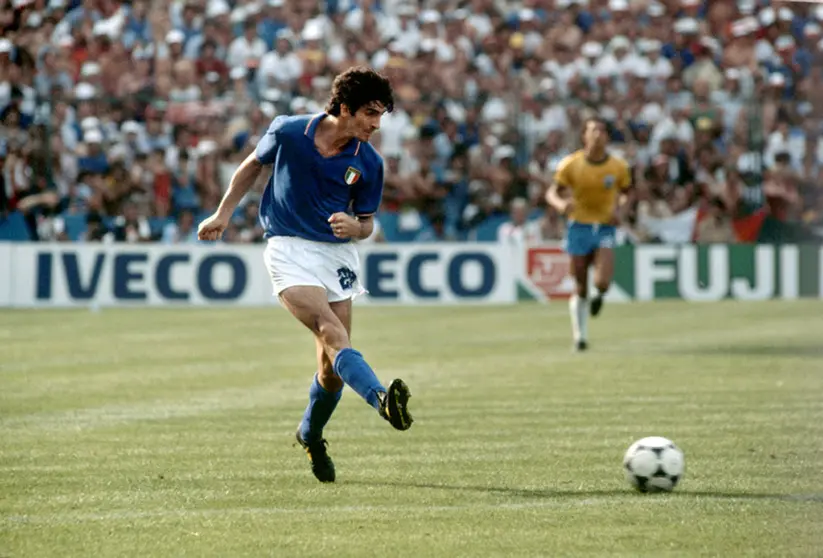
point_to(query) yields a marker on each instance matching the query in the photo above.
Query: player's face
(366, 120)
(595, 135)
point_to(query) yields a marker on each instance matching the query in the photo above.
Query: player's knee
(332, 334)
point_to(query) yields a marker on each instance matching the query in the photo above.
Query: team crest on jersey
(608, 182)
(352, 176)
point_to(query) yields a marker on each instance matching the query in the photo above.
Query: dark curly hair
(357, 87)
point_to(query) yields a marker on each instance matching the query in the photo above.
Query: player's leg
(603, 267)
(310, 305)
(603, 273)
(394, 402)
(578, 246)
(324, 394)
(327, 387)
(579, 302)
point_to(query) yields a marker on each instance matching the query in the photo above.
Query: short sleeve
(367, 198)
(562, 174)
(266, 150)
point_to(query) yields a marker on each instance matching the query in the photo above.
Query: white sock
(579, 311)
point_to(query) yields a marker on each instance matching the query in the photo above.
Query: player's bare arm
(558, 197)
(243, 179)
(624, 203)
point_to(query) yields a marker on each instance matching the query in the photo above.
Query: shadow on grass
(582, 494)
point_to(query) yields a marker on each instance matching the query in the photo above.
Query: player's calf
(358, 375)
(596, 304)
(579, 306)
(603, 269)
(322, 402)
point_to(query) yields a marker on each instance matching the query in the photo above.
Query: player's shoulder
(288, 124)
(570, 158)
(370, 155)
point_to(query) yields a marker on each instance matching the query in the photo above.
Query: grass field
(166, 433)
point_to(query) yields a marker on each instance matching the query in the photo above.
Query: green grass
(166, 433)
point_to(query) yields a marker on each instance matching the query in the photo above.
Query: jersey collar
(352, 148)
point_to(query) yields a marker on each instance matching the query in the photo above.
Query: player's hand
(212, 228)
(568, 207)
(344, 225)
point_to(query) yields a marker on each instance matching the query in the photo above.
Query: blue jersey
(305, 188)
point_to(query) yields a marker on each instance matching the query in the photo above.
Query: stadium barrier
(690, 272)
(66, 275)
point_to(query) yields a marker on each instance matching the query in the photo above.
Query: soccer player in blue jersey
(326, 184)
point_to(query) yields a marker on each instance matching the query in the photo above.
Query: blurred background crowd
(123, 121)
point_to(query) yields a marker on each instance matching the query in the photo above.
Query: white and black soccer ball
(654, 464)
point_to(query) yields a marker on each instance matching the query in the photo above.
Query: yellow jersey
(594, 187)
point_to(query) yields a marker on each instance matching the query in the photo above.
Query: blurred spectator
(131, 226)
(717, 226)
(183, 230)
(96, 230)
(129, 117)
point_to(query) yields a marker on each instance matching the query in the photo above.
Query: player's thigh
(603, 267)
(604, 256)
(310, 305)
(579, 246)
(580, 269)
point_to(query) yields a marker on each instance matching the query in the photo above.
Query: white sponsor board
(137, 275)
(65, 275)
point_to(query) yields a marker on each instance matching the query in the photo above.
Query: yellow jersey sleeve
(563, 174)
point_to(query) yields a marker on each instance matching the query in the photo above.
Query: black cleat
(321, 464)
(596, 305)
(580, 346)
(394, 405)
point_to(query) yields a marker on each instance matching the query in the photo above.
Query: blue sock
(318, 412)
(358, 375)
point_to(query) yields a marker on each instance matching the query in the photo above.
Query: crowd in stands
(123, 121)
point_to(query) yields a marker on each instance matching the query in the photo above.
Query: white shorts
(293, 262)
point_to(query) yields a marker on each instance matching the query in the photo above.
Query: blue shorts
(582, 238)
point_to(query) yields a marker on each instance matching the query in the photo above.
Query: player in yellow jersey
(589, 189)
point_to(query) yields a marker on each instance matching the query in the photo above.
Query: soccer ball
(654, 464)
